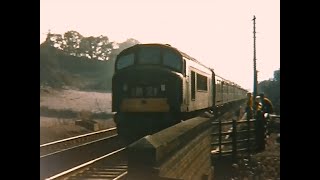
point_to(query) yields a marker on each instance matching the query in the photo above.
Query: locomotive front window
(149, 55)
(125, 61)
(172, 60)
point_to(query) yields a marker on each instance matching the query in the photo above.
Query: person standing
(259, 126)
(267, 106)
(249, 109)
(267, 109)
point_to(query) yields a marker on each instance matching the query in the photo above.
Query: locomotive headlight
(163, 87)
(125, 87)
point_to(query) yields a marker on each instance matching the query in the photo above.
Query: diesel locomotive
(155, 86)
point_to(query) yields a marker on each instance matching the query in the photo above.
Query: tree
(54, 40)
(276, 75)
(88, 46)
(72, 42)
(100, 48)
(128, 43)
(104, 47)
(48, 41)
(271, 88)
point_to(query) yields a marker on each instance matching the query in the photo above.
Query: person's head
(261, 95)
(258, 99)
(249, 94)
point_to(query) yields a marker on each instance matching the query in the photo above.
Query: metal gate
(234, 139)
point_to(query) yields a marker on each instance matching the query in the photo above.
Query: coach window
(172, 60)
(125, 61)
(149, 55)
(202, 83)
(218, 87)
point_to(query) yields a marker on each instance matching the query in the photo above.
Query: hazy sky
(218, 33)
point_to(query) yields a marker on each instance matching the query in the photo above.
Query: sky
(218, 33)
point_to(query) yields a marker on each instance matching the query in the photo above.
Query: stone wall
(179, 152)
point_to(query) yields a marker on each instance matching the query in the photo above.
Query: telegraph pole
(255, 81)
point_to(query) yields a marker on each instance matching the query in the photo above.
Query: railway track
(59, 145)
(62, 160)
(104, 158)
(109, 166)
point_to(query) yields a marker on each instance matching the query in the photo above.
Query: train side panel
(198, 87)
(227, 91)
(219, 91)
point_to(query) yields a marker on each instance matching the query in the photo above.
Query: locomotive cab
(147, 88)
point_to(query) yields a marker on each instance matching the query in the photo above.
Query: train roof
(171, 47)
(184, 55)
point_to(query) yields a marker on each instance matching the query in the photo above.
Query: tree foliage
(73, 60)
(271, 89)
(95, 48)
(72, 40)
(276, 75)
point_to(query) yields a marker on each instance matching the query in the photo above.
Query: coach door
(193, 85)
(190, 90)
(213, 87)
